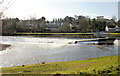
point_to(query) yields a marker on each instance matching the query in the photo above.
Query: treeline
(11, 26)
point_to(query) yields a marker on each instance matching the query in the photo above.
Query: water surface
(32, 50)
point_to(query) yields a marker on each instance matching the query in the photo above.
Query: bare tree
(4, 5)
(114, 18)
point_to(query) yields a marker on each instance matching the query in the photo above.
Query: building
(117, 28)
(112, 28)
(118, 10)
(100, 17)
(53, 26)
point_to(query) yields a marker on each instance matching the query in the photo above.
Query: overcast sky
(50, 9)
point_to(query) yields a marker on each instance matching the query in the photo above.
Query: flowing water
(33, 50)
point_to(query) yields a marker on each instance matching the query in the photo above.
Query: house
(117, 29)
(53, 26)
(112, 28)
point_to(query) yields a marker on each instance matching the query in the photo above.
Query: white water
(117, 42)
(31, 50)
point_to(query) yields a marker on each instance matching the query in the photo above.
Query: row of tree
(10, 26)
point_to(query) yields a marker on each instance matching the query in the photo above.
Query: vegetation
(76, 24)
(100, 65)
(4, 5)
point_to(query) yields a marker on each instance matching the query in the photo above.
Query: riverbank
(4, 46)
(100, 65)
(68, 35)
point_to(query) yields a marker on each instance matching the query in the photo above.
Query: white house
(117, 29)
(112, 28)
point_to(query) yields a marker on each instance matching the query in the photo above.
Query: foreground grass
(100, 65)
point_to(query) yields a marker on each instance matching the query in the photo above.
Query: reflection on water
(31, 50)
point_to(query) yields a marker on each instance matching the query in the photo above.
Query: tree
(4, 5)
(42, 24)
(69, 19)
(114, 18)
(43, 19)
(65, 27)
(94, 25)
(118, 22)
(84, 24)
(9, 26)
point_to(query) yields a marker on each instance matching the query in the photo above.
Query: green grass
(100, 65)
(56, 33)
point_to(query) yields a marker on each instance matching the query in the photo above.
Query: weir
(97, 41)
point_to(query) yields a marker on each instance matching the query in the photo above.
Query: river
(33, 50)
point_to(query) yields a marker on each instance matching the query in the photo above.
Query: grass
(100, 65)
(57, 33)
(66, 33)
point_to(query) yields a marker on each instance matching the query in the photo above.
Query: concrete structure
(97, 41)
(118, 10)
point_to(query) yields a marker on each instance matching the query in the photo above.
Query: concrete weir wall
(100, 41)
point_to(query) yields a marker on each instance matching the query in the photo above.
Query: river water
(33, 50)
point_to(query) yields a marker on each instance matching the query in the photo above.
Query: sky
(25, 9)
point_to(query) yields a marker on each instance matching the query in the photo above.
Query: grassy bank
(70, 35)
(100, 65)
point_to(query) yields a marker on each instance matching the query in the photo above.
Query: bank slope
(100, 65)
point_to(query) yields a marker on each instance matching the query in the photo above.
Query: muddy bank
(4, 46)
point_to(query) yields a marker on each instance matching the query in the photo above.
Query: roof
(111, 26)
